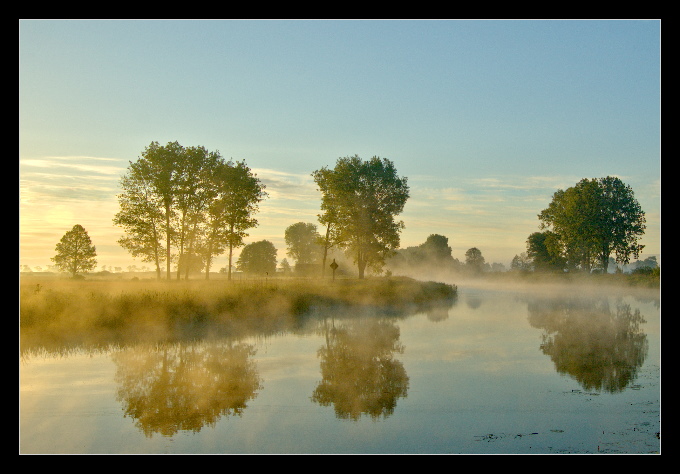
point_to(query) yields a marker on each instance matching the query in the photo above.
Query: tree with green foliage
(543, 250)
(329, 213)
(304, 242)
(474, 260)
(593, 219)
(258, 258)
(436, 250)
(235, 196)
(142, 218)
(360, 200)
(189, 200)
(75, 252)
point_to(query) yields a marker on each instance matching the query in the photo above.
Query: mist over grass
(59, 312)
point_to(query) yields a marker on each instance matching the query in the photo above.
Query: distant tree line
(187, 205)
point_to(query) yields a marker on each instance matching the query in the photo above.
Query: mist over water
(505, 367)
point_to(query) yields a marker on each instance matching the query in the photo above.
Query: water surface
(500, 371)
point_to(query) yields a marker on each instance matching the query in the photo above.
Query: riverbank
(60, 311)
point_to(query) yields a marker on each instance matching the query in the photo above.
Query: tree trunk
(325, 252)
(167, 238)
(231, 247)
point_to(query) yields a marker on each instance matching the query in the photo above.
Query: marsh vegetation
(58, 311)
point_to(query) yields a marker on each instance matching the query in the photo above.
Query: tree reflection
(178, 387)
(437, 313)
(599, 347)
(359, 372)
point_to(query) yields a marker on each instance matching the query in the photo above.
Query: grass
(57, 311)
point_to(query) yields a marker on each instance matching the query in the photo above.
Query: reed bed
(63, 311)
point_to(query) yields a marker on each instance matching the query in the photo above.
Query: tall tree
(141, 216)
(194, 193)
(329, 213)
(161, 168)
(303, 242)
(595, 218)
(75, 252)
(190, 198)
(236, 192)
(360, 200)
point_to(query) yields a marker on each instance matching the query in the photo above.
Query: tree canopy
(75, 252)
(304, 242)
(258, 258)
(359, 202)
(189, 200)
(593, 219)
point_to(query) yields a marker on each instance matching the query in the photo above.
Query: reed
(54, 310)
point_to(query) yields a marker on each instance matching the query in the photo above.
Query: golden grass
(57, 311)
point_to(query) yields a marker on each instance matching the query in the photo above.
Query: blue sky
(487, 119)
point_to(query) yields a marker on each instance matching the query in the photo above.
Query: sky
(485, 118)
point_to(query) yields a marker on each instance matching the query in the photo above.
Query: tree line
(188, 205)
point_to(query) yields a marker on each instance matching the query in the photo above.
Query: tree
(436, 249)
(474, 260)
(189, 200)
(235, 196)
(360, 200)
(142, 217)
(521, 262)
(329, 216)
(593, 219)
(159, 168)
(258, 258)
(543, 251)
(304, 242)
(75, 252)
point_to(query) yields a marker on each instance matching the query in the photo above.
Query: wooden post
(334, 266)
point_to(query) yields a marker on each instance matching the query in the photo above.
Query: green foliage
(474, 260)
(75, 252)
(593, 219)
(185, 203)
(360, 200)
(304, 242)
(258, 258)
(543, 251)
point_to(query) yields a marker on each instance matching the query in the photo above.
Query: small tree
(75, 252)
(474, 260)
(258, 258)
(304, 242)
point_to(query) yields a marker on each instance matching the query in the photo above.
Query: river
(502, 371)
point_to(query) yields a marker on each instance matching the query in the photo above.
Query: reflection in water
(169, 388)
(599, 347)
(440, 312)
(360, 374)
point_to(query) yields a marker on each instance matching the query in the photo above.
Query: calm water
(498, 372)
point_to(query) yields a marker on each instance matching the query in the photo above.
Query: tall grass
(60, 311)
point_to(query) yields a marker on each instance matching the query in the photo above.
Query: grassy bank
(57, 311)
